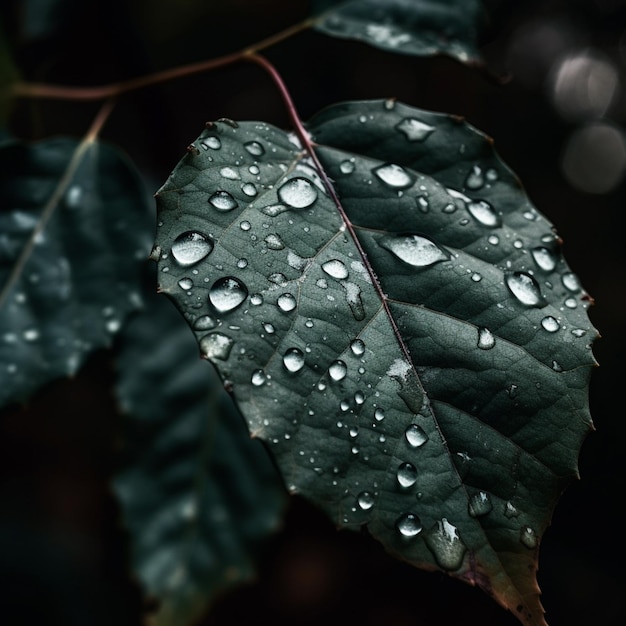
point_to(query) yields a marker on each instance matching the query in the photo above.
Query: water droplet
(254, 148)
(245, 225)
(242, 263)
(570, 281)
(190, 248)
(286, 302)
(359, 398)
(479, 504)
(32, 334)
(204, 322)
(414, 250)
(274, 242)
(346, 167)
(486, 340)
(544, 258)
(256, 299)
(223, 201)
(525, 288)
(528, 537)
(269, 328)
(484, 213)
(227, 294)
(409, 525)
(415, 435)
(298, 193)
(216, 346)
(570, 303)
(475, 179)
(446, 545)
(293, 360)
(414, 129)
(476, 277)
(185, 283)
(550, 324)
(357, 347)
(510, 510)
(259, 377)
(336, 269)
(394, 176)
(337, 370)
(379, 414)
(230, 173)
(422, 204)
(365, 500)
(249, 189)
(406, 475)
(211, 142)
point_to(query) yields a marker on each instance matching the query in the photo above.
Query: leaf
(74, 231)
(199, 497)
(400, 326)
(415, 27)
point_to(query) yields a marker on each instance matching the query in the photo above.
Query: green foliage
(390, 314)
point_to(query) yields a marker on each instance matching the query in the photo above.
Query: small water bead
(249, 189)
(444, 542)
(278, 278)
(286, 302)
(544, 258)
(223, 201)
(550, 324)
(579, 332)
(256, 299)
(570, 303)
(525, 288)
(230, 173)
(347, 167)
(344, 405)
(494, 240)
(254, 148)
(414, 250)
(254, 169)
(484, 213)
(269, 328)
(227, 294)
(365, 500)
(528, 537)
(379, 414)
(423, 205)
(354, 431)
(479, 504)
(337, 370)
(274, 242)
(475, 178)
(185, 283)
(518, 244)
(491, 175)
(242, 263)
(409, 525)
(414, 129)
(476, 277)
(336, 269)
(204, 322)
(359, 398)
(32, 334)
(357, 347)
(245, 225)
(570, 281)
(259, 378)
(191, 247)
(486, 340)
(406, 475)
(293, 360)
(394, 176)
(211, 142)
(415, 435)
(216, 346)
(298, 193)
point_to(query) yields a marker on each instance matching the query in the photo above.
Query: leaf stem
(54, 200)
(60, 92)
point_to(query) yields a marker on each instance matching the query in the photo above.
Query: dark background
(565, 140)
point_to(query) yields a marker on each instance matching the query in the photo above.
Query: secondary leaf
(74, 230)
(415, 27)
(400, 326)
(199, 497)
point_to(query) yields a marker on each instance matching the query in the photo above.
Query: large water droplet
(550, 324)
(570, 281)
(216, 346)
(293, 360)
(204, 322)
(414, 129)
(259, 378)
(336, 269)
(286, 302)
(227, 294)
(249, 189)
(357, 347)
(409, 525)
(479, 504)
(365, 500)
(406, 475)
(191, 247)
(415, 435)
(298, 193)
(486, 340)
(525, 288)
(544, 258)
(394, 176)
(415, 250)
(337, 370)
(446, 545)
(254, 148)
(223, 201)
(484, 213)
(211, 142)
(185, 283)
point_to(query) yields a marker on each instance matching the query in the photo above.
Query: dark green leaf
(74, 231)
(415, 27)
(400, 326)
(199, 497)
